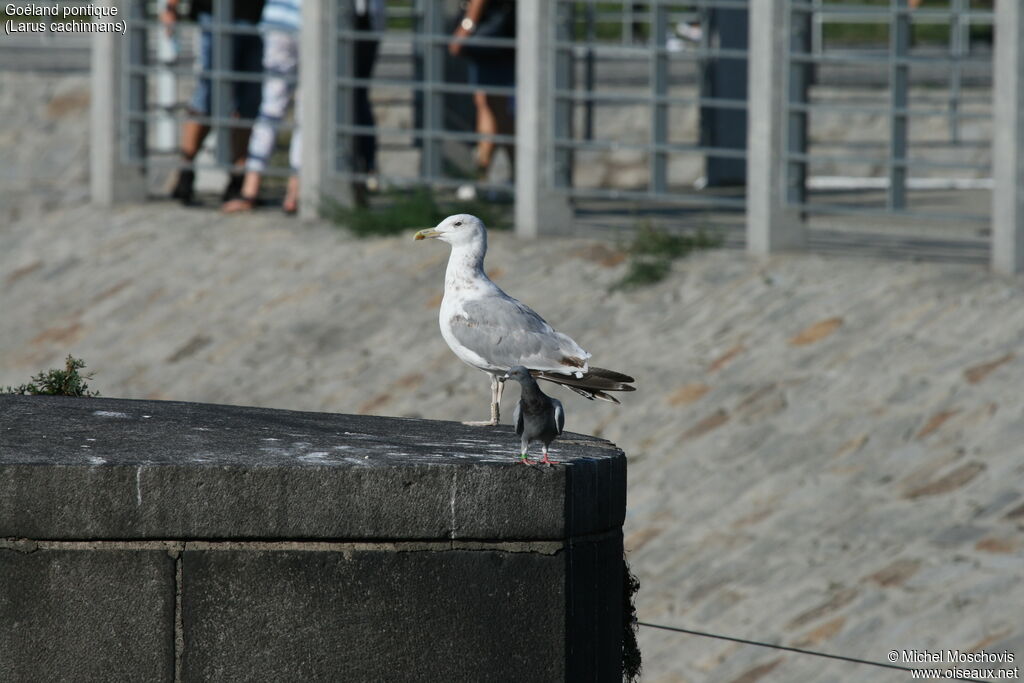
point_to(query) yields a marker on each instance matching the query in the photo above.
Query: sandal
(239, 204)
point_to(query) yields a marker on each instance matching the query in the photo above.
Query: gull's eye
(458, 223)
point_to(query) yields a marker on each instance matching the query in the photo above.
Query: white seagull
(491, 331)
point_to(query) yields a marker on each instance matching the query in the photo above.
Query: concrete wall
(157, 541)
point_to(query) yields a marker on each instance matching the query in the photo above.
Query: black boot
(183, 189)
(233, 190)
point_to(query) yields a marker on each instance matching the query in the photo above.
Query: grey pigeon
(537, 416)
(489, 330)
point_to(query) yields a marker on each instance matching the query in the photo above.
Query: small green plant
(653, 250)
(401, 211)
(57, 382)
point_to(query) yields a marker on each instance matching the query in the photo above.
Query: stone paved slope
(824, 452)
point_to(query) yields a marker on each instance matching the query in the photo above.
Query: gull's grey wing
(517, 417)
(505, 332)
(559, 414)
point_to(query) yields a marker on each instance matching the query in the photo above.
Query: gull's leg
(495, 393)
(547, 461)
(496, 406)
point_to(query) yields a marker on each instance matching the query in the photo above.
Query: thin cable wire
(797, 650)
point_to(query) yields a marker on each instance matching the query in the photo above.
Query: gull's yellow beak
(424, 234)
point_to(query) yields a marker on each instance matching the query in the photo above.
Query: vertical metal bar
(658, 159)
(770, 225)
(134, 143)
(110, 178)
(817, 29)
(220, 102)
(899, 47)
(564, 22)
(320, 99)
(796, 119)
(627, 23)
(341, 62)
(538, 209)
(1008, 139)
(588, 73)
(166, 87)
(433, 100)
(959, 37)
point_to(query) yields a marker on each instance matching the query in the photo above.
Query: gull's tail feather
(594, 384)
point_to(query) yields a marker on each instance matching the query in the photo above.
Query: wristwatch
(467, 24)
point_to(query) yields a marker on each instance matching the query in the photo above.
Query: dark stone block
(452, 615)
(153, 469)
(86, 615)
(316, 547)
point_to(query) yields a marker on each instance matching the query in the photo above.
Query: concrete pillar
(1008, 138)
(166, 133)
(319, 106)
(183, 548)
(538, 208)
(771, 226)
(111, 178)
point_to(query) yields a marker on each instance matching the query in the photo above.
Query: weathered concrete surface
(232, 543)
(101, 615)
(116, 469)
(371, 616)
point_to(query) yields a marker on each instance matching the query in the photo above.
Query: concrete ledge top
(94, 468)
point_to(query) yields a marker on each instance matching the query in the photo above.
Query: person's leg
(280, 65)
(486, 124)
(364, 143)
(291, 195)
(504, 122)
(193, 133)
(246, 58)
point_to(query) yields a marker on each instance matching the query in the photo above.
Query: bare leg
(486, 124)
(504, 123)
(250, 190)
(192, 135)
(291, 195)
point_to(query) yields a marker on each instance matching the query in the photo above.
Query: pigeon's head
(462, 228)
(518, 373)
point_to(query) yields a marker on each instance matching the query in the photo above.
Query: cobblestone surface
(824, 452)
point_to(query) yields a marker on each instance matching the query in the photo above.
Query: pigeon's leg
(524, 449)
(496, 388)
(546, 460)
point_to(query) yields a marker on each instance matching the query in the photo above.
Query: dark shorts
(492, 72)
(246, 56)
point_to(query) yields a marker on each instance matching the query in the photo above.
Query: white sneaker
(466, 193)
(690, 32)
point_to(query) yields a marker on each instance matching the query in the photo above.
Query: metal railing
(421, 100)
(158, 76)
(901, 159)
(603, 83)
(613, 66)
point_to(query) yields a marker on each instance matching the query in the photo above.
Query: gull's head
(462, 228)
(518, 373)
